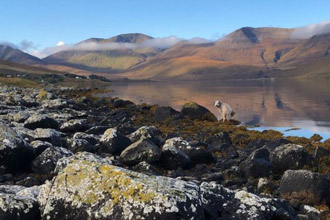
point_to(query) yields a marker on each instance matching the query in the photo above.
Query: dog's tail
(232, 113)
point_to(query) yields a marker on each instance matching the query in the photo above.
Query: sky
(37, 24)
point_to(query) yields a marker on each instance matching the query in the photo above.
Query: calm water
(277, 104)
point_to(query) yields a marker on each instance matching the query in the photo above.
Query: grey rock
(15, 154)
(142, 150)
(78, 145)
(194, 111)
(173, 157)
(40, 121)
(45, 163)
(75, 125)
(305, 186)
(113, 142)
(40, 146)
(49, 135)
(289, 156)
(151, 132)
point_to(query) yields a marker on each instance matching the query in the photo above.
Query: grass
(20, 82)
(106, 61)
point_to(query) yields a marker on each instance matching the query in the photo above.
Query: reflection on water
(268, 103)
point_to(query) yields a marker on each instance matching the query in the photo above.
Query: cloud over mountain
(311, 30)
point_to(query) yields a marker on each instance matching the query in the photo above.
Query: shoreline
(137, 156)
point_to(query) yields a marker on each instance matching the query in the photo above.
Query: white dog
(225, 110)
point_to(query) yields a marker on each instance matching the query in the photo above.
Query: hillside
(105, 60)
(10, 54)
(245, 53)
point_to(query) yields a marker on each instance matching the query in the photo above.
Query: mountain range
(245, 53)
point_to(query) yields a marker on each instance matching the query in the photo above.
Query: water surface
(277, 104)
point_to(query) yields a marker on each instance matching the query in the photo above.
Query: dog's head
(217, 103)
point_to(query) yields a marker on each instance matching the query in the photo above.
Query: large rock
(163, 113)
(142, 150)
(91, 138)
(45, 163)
(78, 145)
(173, 157)
(15, 154)
(75, 125)
(219, 142)
(89, 187)
(49, 135)
(19, 203)
(305, 186)
(55, 104)
(257, 164)
(113, 142)
(151, 132)
(194, 111)
(289, 156)
(40, 146)
(40, 121)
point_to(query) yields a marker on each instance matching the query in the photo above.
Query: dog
(225, 110)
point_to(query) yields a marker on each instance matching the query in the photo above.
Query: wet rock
(75, 125)
(142, 150)
(320, 152)
(152, 133)
(289, 156)
(93, 139)
(219, 142)
(49, 135)
(79, 145)
(40, 146)
(194, 111)
(172, 157)
(19, 203)
(15, 154)
(113, 142)
(257, 164)
(163, 113)
(265, 186)
(119, 103)
(28, 182)
(305, 186)
(40, 121)
(45, 163)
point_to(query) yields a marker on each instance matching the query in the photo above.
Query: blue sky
(45, 22)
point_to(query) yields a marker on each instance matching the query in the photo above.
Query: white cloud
(60, 43)
(311, 30)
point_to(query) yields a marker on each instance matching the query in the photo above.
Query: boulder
(40, 146)
(93, 139)
(163, 113)
(113, 142)
(15, 154)
(75, 125)
(305, 186)
(142, 150)
(172, 157)
(289, 156)
(19, 117)
(320, 152)
(45, 163)
(89, 187)
(40, 121)
(152, 133)
(219, 142)
(257, 164)
(49, 135)
(19, 203)
(194, 111)
(78, 145)
(97, 130)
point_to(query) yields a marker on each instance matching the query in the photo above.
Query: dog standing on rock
(225, 110)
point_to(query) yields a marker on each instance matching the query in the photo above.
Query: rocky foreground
(65, 154)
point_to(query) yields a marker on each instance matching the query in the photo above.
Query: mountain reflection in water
(268, 103)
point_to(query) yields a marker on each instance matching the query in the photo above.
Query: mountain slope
(105, 60)
(245, 53)
(8, 53)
